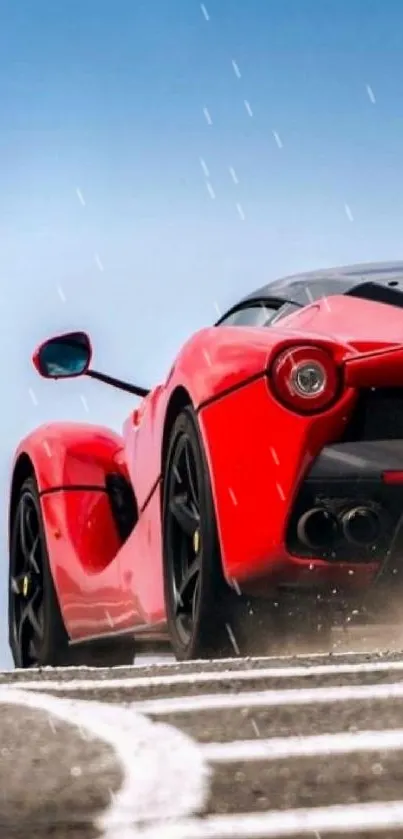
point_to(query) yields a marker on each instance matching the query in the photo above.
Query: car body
(306, 483)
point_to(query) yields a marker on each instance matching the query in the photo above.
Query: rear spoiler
(383, 368)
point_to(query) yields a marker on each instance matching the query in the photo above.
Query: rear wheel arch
(208, 635)
(179, 400)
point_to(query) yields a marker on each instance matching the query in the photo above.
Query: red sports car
(267, 470)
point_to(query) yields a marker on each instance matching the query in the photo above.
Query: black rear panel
(378, 415)
(379, 293)
(345, 484)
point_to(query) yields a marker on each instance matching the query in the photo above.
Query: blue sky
(155, 164)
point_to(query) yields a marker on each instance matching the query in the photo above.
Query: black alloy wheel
(205, 617)
(195, 591)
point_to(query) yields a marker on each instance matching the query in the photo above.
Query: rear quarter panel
(258, 452)
(211, 363)
(358, 325)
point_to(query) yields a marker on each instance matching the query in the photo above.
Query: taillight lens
(305, 379)
(393, 476)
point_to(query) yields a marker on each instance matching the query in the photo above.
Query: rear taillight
(393, 476)
(305, 379)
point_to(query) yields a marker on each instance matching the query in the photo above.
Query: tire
(220, 622)
(195, 591)
(37, 635)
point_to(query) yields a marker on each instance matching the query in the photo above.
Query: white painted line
(165, 775)
(296, 672)
(277, 748)
(269, 698)
(188, 665)
(346, 818)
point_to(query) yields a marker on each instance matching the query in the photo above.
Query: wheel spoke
(186, 518)
(31, 531)
(22, 529)
(31, 558)
(26, 583)
(19, 582)
(16, 584)
(191, 476)
(28, 615)
(32, 650)
(27, 536)
(188, 582)
(177, 474)
(195, 599)
(185, 536)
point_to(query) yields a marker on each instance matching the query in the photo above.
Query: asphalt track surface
(307, 745)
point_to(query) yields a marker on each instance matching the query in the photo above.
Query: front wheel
(195, 591)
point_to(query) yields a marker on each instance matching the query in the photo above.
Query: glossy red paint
(81, 535)
(140, 564)
(393, 476)
(217, 360)
(258, 453)
(35, 359)
(357, 325)
(143, 435)
(69, 453)
(211, 363)
(375, 369)
(257, 449)
(82, 544)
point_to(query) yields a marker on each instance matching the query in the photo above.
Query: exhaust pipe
(317, 528)
(361, 526)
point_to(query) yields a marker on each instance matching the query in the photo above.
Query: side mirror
(64, 356)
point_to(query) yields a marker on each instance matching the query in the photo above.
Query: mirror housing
(64, 356)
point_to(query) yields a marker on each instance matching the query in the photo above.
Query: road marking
(165, 775)
(292, 672)
(276, 748)
(347, 818)
(268, 698)
(187, 665)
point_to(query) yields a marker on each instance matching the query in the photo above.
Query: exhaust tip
(317, 528)
(361, 526)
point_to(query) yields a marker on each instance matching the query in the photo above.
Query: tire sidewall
(207, 625)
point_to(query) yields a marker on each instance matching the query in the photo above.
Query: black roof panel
(304, 288)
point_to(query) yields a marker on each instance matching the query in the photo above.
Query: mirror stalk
(110, 380)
